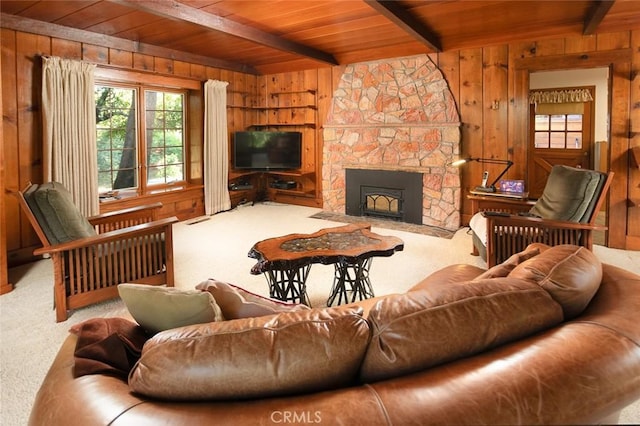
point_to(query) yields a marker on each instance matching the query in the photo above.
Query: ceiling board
(348, 30)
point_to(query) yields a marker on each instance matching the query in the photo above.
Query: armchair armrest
(111, 236)
(517, 220)
(512, 233)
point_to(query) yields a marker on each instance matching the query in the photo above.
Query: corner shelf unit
(290, 109)
(259, 185)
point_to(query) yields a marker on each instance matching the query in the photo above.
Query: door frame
(565, 154)
(619, 63)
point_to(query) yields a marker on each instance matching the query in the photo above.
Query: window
(560, 131)
(140, 137)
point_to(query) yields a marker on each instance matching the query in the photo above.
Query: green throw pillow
(162, 308)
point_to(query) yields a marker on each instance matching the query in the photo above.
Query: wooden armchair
(91, 256)
(566, 213)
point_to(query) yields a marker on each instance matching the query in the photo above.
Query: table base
(289, 285)
(351, 279)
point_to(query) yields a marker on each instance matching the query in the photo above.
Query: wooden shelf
(292, 92)
(311, 125)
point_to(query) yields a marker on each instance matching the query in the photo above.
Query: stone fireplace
(395, 115)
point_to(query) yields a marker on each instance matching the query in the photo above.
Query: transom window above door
(140, 136)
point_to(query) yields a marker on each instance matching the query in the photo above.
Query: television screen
(267, 150)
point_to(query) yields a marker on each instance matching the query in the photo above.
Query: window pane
(174, 155)
(174, 120)
(156, 157)
(173, 138)
(558, 122)
(157, 138)
(116, 137)
(155, 175)
(542, 140)
(574, 122)
(574, 140)
(173, 101)
(557, 140)
(174, 173)
(153, 100)
(542, 122)
(165, 144)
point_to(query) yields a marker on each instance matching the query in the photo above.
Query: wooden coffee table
(286, 261)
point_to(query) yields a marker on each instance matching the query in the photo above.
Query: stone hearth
(400, 115)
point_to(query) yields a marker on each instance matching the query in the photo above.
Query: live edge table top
(349, 243)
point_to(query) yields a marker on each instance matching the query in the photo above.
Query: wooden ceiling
(271, 36)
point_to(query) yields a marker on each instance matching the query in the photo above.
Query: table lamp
(485, 176)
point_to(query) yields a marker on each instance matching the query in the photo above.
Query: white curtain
(69, 130)
(216, 154)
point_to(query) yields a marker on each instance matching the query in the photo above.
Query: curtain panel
(69, 130)
(216, 148)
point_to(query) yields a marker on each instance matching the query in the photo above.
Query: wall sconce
(485, 176)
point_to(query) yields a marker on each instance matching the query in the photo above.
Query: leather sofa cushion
(286, 353)
(448, 275)
(443, 322)
(62, 220)
(236, 302)
(571, 274)
(158, 308)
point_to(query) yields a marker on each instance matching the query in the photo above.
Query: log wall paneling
(495, 108)
(633, 230)
(471, 114)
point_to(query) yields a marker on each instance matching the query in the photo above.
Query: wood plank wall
(483, 81)
(21, 137)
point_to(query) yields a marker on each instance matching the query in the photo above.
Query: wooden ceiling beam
(404, 19)
(595, 15)
(27, 25)
(182, 12)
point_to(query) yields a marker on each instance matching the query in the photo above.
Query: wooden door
(559, 138)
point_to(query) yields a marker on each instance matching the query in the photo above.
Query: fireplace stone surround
(395, 115)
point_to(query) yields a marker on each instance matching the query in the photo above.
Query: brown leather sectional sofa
(548, 338)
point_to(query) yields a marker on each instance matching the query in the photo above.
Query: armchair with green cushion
(565, 214)
(91, 256)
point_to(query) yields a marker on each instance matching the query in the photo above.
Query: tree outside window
(132, 159)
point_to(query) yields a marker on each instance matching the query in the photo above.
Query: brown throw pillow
(236, 302)
(107, 346)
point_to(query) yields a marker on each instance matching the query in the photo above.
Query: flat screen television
(260, 150)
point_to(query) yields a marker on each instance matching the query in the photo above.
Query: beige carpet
(218, 247)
